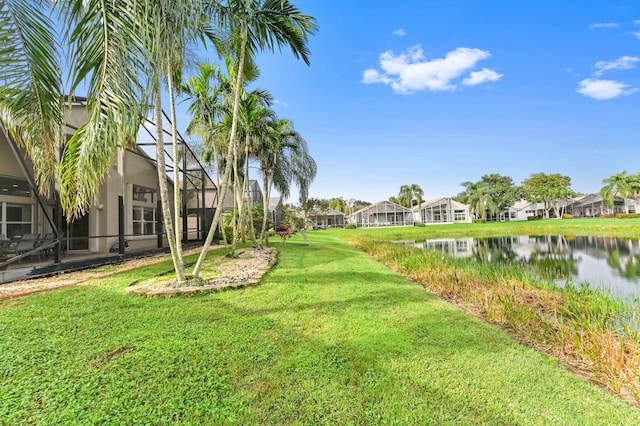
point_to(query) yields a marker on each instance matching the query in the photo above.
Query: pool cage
(383, 213)
(126, 219)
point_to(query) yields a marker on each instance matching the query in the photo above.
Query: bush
(628, 216)
(607, 215)
(534, 218)
(419, 224)
(480, 221)
(351, 226)
(567, 216)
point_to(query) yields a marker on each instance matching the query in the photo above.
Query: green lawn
(330, 336)
(594, 227)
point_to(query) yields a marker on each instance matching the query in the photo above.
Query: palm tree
(478, 196)
(128, 49)
(621, 184)
(408, 193)
(284, 160)
(257, 25)
(254, 118)
(416, 194)
(172, 27)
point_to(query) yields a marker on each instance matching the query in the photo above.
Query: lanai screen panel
(437, 213)
(384, 213)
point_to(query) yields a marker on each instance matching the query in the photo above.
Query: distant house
(441, 210)
(383, 213)
(523, 210)
(329, 218)
(593, 205)
(211, 190)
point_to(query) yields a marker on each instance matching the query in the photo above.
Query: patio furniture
(27, 243)
(47, 245)
(9, 246)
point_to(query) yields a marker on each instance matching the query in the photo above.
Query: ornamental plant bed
(220, 273)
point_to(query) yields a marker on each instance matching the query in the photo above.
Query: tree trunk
(177, 205)
(164, 190)
(264, 234)
(249, 215)
(227, 172)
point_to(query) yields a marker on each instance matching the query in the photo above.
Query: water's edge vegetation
(590, 332)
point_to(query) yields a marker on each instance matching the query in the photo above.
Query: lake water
(605, 263)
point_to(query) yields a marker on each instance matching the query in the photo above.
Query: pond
(602, 262)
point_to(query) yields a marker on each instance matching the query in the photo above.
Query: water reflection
(603, 262)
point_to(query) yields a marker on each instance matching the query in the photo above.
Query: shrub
(534, 218)
(480, 221)
(419, 224)
(567, 216)
(628, 216)
(607, 215)
(285, 233)
(351, 226)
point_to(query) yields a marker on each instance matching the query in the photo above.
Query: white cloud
(279, 102)
(604, 89)
(637, 22)
(622, 63)
(400, 32)
(479, 77)
(409, 71)
(604, 25)
(638, 34)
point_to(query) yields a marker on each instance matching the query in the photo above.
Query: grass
(331, 336)
(594, 227)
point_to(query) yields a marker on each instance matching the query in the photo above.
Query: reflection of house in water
(461, 247)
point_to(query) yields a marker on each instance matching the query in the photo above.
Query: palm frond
(108, 52)
(30, 84)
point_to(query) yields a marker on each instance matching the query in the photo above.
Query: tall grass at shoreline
(590, 332)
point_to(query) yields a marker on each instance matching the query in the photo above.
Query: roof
(384, 207)
(440, 201)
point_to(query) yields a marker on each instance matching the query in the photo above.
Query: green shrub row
(628, 215)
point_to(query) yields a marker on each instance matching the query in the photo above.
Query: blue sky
(440, 92)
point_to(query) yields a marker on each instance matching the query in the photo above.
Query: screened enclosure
(443, 210)
(383, 213)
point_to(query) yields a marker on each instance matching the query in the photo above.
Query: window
(15, 219)
(145, 195)
(144, 211)
(512, 215)
(14, 187)
(459, 215)
(144, 220)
